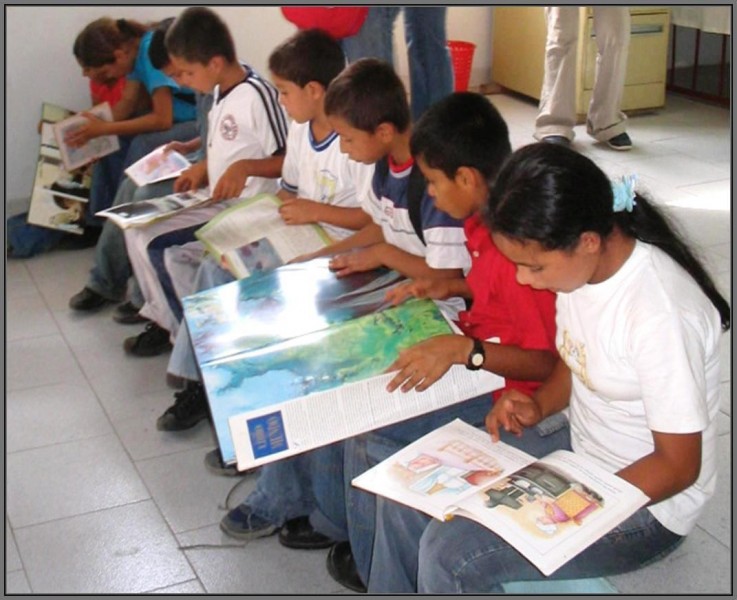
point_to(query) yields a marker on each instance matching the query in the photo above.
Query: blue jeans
(430, 69)
(182, 361)
(413, 552)
(112, 269)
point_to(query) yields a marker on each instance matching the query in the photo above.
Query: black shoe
(154, 340)
(620, 142)
(342, 567)
(88, 239)
(298, 533)
(189, 408)
(558, 140)
(87, 300)
(127, 314)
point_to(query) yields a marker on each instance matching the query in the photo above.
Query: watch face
(477, 360)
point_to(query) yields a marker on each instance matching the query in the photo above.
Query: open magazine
(59, 197)
(295, 358)
(157, 165)
(548, 509)
(143, 212)
(95, 148)
(251, 236)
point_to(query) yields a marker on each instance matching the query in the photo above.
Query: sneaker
(342, 567)
(127, 314)
(154, 340)
(298, 533)
(87, 300)
(620, 142)
(241, 524)
(215, 464)
(189, 408)
(558, 140)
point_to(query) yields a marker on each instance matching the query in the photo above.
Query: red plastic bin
(461, 56)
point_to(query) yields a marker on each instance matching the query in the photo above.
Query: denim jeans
(430, 70)
(182, 361)
(413, 552)
(112, 269)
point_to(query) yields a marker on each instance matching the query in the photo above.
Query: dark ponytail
(97, 42)
(552, 194)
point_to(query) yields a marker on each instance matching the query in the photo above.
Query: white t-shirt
(643, 347)
(321, 172)
(247, 122)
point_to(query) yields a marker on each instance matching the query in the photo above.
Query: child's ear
(590, 242)
(385, 132)
(467, 177)
(216, 63)
(315, 90)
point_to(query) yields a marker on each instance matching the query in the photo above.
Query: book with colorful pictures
(143, 212)
(295, 358)
(76, 157)
(157, 165)
(549, 509)
(59, 196)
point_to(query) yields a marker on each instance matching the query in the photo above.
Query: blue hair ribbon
(624, 193)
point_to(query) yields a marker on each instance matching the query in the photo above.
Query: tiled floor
(98, 501)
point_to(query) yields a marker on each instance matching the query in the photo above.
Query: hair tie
(624, 193)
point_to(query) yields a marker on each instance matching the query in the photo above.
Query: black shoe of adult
(298, 533)
(189, 408)
(558, 140)
(342, 567)
(87, 300)
(154, 340)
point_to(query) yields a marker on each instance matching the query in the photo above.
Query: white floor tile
(30, 319)
(70, 479)
(40, 361)
(61, 274)
(193, 587)
(47, 415)
(261, 566)
(12, 558)
(17, 583)
(120, 550)
(716, 517)
(187, 494)
(18, 280)
(682, 170)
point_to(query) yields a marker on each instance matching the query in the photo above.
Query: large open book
(295, 358)
(549, 509)
(95, 148)
(157, 165)
(59, 196)
(143, 212)
(251, 236)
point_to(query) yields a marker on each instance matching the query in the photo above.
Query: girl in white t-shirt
(638, 327)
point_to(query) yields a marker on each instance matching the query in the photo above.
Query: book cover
(74, 158)
(59, 196)
(143, 212)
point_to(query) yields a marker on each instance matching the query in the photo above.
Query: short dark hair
(463, 129)
(198, 35)
(308, 55)
(157, 53)
(368, 93)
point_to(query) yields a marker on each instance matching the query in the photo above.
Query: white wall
(40, 65)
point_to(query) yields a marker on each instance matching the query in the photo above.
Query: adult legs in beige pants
(557, 113)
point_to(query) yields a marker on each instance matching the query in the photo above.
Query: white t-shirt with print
(319, 171)
(643, 347)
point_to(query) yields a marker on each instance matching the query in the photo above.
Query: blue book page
(272, 306)
(348, 351)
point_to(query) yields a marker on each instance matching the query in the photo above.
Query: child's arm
(392, 257)
(436, 289)
(298, 211)
(193, 178)
(366, 236)
(672, 466)
(423, 364)
(183, 147)
(233, 180)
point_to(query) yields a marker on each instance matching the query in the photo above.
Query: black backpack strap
(415, 194)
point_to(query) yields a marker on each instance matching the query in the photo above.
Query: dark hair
(198, 35)
(552, 194)
(368, 93)
(96, 43)
(308, 55)
(157, 53)
(463, 129)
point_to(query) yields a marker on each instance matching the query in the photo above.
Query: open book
(143, 212)
(59, 198)
(251, 235)
(549, 509)
(157, 165)
(95, 148)
(295, 358)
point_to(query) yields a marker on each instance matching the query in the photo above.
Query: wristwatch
(477, 357)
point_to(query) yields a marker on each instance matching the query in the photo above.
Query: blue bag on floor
(25, 240)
